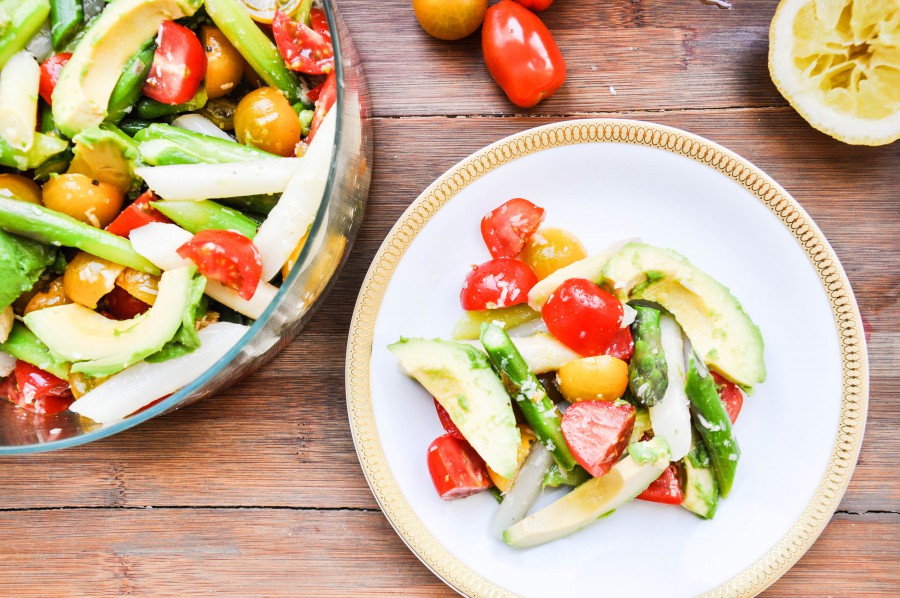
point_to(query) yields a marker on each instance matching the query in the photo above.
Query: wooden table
(258, 491)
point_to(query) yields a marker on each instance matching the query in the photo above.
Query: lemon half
(838, 63)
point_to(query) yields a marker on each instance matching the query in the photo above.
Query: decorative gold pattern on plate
(854, 405)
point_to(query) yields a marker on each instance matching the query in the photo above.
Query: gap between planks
(588, 114)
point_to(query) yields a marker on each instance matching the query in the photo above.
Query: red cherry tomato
(583, 316)
(456, 469)
(122, 305)
(521, 54)
(622, 346)
(731, 395)
(35, 390)
(303, 48)
(448, 424)
(226, 256)
(507, 229)
(179, 65)
(665, 489)
(318, 20)
(325, 100)
(138, 214)
(597, 432)
(50, 74)
(536, 5)
(497, 283)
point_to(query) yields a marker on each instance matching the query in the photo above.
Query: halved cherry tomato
(35, 390)
(448, 424)
(506, 229)
(665, 489)
(318, 20)
(313, 94)
(731, 395)
(303, 48)
(122, 306)
(138, 214)
(179, 65)
(457, 471)
(622, 346)
(583, 316)
(520, 54)
(50, 69)
(536, 5)
(226, 256)
(497, 283)
(597, 432)
(326, 99)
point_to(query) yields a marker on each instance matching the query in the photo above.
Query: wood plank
(656, 54)
(263, 552)
(281, 437)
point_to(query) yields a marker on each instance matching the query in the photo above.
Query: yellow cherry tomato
(527, 441)
(89, 200)
(54, 295)
(550, 249)
(600, 378)
(265, 120)
(16, 186)
(88, 278)
(139, 285)
(224, 64)
(450, 19)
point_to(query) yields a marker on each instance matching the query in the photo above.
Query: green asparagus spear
(149, 109)
(647, 372)
(712, 421)
(259, 52)
(132, 126)
(44, 147)
(256, 204)
(66, 17)
(164, 145)
(24, 345)
(19, 20)
(469, 325)
(56, 164)
(195, 216)
(53, 228)
(128, 87)
(556, 477)
(540, 412)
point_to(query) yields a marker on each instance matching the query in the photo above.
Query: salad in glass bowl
(164, 170)
(619, 375)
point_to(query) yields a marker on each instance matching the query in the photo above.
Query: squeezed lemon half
(838, 63)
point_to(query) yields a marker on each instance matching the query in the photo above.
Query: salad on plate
(161, 163)
(619, 375)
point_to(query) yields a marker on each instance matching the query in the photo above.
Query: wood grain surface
(258, 491)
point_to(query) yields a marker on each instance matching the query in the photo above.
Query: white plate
(606, 180)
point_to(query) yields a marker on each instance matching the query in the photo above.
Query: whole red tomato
(521, 54)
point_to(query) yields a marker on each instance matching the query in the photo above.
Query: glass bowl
(333, 231)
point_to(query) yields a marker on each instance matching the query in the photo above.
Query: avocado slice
(720, 331)
(701, 492)
(461, 379)
(593, 499)
(85, 85)
(106, 154)
(21, 263)
(99, 346)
